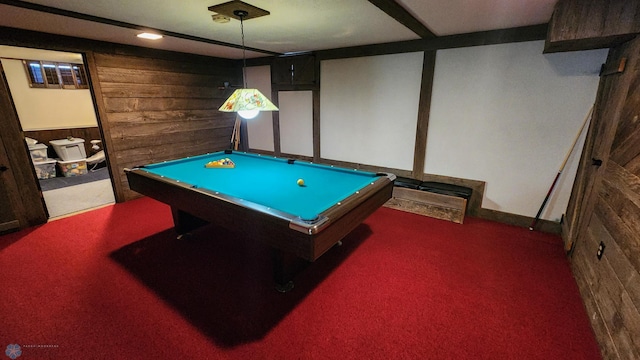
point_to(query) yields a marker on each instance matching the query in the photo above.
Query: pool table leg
(184, 222)
(282, 274)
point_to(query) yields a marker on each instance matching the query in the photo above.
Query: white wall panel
(296, 122)
(507, 114)
(369, 109)
(260, 128)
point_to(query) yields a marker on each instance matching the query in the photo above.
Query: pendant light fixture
(246, 102)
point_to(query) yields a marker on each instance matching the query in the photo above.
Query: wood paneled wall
(153, 110)
(610, 212)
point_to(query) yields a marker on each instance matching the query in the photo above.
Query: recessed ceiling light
(150, 36)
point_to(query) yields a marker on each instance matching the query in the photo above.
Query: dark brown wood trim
(492, 37)
(296, 157)
(598, 43)
(518, 220)
(276, 122)
(365, 167)
(261, 61)
(263, 152)
(294, 87)
(316, 125)
(424, 109)
(101, 20)
(404, 17)
(519, 34)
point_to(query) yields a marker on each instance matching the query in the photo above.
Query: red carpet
(114, 283)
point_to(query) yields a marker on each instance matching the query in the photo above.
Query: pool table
(296, 207)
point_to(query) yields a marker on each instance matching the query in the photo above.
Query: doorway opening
(61, 130)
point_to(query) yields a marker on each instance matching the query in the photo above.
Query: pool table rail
(341, 207)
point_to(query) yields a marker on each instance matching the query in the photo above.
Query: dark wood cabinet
(592, 24)
(294, 70)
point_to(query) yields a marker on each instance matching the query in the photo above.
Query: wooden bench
(434, 199)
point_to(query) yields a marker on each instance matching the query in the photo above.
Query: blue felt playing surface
(269, 181)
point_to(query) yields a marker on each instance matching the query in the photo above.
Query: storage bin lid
(66, 142)
(65, 162)
(30, 141)
(46, 161)
(37, 146)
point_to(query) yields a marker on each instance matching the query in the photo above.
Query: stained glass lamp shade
(247, 103)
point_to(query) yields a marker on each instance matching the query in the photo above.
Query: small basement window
(34, 71)
(80, 76)
(66, 74)
(53, 75)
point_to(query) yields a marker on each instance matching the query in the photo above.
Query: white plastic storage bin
(69, 149)
(73, 167)
(45, 169)
(38, 152)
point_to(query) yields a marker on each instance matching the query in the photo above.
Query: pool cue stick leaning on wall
(564, 163)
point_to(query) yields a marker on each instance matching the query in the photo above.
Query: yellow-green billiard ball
(300, 182)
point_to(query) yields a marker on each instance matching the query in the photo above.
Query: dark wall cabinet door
(294, 70)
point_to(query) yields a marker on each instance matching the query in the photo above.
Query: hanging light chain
(244, 56)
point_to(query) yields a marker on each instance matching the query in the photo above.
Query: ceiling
(293, 25)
